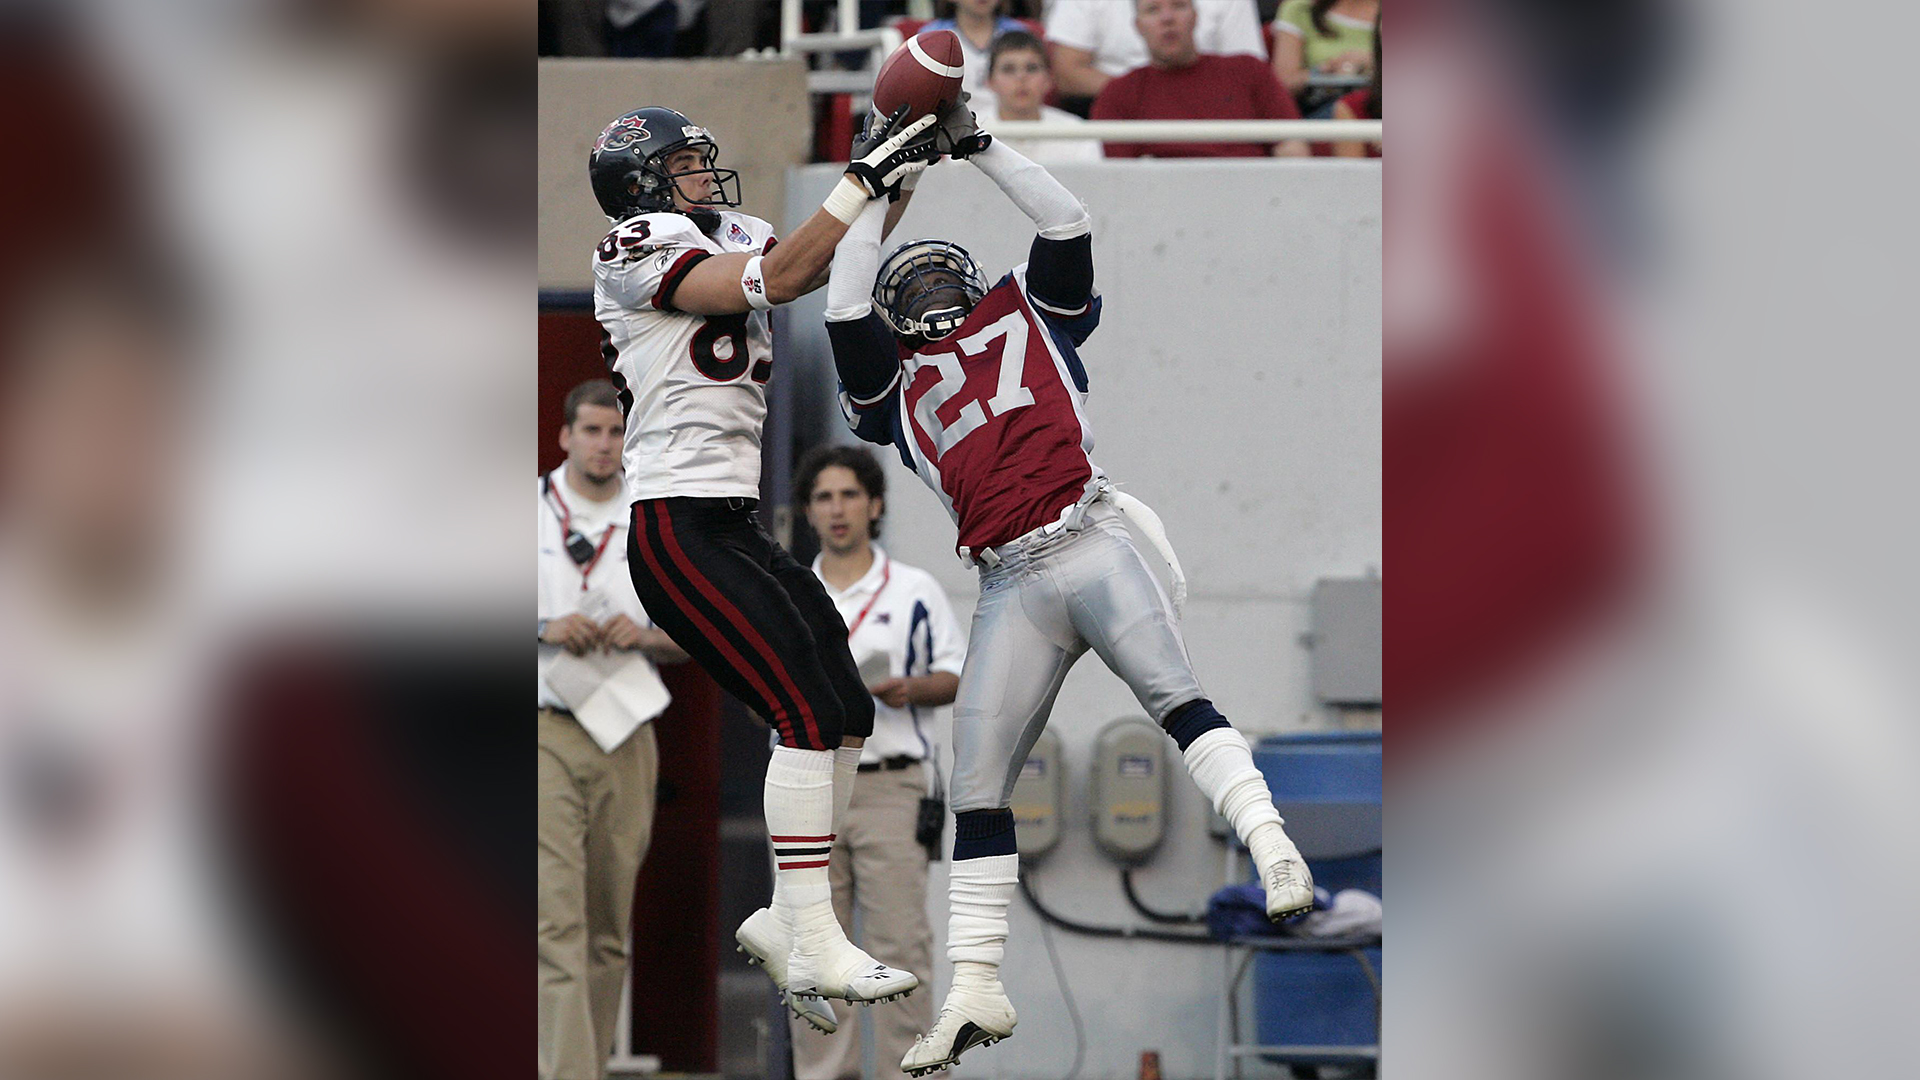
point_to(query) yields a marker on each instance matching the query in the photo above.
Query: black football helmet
(628, 164)
(927, 288)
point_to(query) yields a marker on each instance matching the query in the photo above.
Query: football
(924, 73)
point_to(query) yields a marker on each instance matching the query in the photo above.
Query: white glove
(880, 165)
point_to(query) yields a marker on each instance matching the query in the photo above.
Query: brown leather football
(924, 73)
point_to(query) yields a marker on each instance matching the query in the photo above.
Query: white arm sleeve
(856, 260)
(1054, 210)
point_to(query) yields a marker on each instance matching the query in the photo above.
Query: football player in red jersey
(981, 390)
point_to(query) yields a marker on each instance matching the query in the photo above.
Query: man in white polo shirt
(910, 649)
(599, 765)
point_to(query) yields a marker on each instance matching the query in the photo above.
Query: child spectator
(1181, 83)
(977, 23)
(1020, 79)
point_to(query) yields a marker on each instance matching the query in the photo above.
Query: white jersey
(694, 387)
(898, 624)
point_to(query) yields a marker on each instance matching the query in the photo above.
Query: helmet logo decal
(637, 159)
(623, 133)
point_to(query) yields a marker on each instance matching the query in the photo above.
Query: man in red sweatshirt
(1181, 83)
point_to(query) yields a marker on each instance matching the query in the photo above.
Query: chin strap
(704, 218)
(936, 324)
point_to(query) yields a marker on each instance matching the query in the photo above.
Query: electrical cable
(1126, 884)
(1090, 930)
(1060, 976)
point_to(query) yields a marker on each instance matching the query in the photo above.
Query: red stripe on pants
(739, 622)
(712, 634)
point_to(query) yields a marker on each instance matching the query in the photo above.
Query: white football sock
(1222, 765)
(978, 894)
(846, 768)
(799, 807)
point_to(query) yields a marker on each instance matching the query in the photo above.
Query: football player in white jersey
(682, 285)
(982, 389)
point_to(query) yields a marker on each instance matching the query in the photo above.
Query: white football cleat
(969, 1018)
(1289, 886)
(843, 971)
(760, 938)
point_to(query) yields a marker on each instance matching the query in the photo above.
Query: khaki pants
(877, 863)
(596, 816)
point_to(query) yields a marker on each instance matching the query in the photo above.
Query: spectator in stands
(649, 28)
(1095, 41)
(646, 28)
(977, 23)
(573, 27)
(1331, 37)
(1182, 83)
(1020, 79)
(734, 26)
(1362, 104)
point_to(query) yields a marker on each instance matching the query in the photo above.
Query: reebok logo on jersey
(737, 234)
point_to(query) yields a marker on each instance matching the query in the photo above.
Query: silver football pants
(1048, 600)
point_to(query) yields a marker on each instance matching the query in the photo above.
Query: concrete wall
(1236, 389)
(757, 111)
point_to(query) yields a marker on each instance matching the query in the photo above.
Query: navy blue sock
(980, 833)
(1192, 720)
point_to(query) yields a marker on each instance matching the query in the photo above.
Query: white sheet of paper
(609, 693)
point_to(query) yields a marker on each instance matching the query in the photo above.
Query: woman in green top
(1327, 36)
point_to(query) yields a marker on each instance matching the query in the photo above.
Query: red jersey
(1213, 88)
(991, 415)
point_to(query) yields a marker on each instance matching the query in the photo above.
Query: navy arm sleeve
(1060, 273)
(1060, 282)
(867, 359)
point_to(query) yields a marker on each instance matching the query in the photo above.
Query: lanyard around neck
(567, 531)
(886, 575)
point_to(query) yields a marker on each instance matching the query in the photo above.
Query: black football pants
(759, 622)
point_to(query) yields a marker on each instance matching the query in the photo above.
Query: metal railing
(848, 37)
(1192, 130)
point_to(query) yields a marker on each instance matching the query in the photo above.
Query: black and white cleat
(969, 1018)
